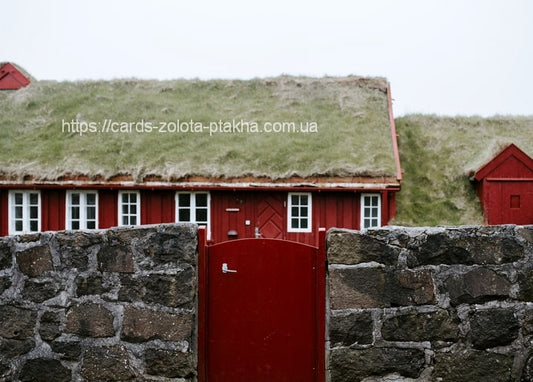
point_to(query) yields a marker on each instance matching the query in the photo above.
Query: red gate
(261, 311)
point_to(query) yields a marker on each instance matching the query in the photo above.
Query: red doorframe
(320, 295)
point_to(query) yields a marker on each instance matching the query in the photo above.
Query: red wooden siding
(53, 210)
(107, 208)
(4, 216)
(157, 207)
(505, 188)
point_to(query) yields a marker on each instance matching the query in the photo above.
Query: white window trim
(310, 212)
(193, 208)
(137, 203)
(25, 211)
(83, 210)
(362, 220)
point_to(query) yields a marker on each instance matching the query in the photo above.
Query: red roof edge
(11, 78)
(394, 136)
(502, 156)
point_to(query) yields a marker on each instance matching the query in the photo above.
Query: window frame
(129, 215)
(364, 207)
(193, 209)
(26, 213)
(83, 210)
(309, 216)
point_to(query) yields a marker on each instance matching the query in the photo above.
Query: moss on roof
(440, 154)
(351, 115)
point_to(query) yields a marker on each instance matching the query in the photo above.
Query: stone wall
(439, 304)
(108, 306)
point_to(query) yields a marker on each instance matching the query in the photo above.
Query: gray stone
(35, 261)
(141, 325)
(6, 259)
(169, 363)
(527, 372)
(74, 248)
(351, 328)
(469, 246)
(171, 244)
(15, 348)
(115, 256)
(376, 287)
(169, 290)
(111, 363)
(39, 291)
(354, 247)
(90, 285)
(476, 286)
(44, 370)
(50, 325)
(465, 364)
(69, 351)
(493, 327)
(5, 283)
(90, 320)
(17, 323)
(440, 325)
(349, 365)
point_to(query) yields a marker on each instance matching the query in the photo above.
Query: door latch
(226, 270)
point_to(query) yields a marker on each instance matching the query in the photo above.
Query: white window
(299, 212)
(193, 207)
(82, 210)
(24, 212)
(370, 210)
(129, 208)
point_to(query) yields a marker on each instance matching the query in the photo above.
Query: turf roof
(352, 135)
(439, 155)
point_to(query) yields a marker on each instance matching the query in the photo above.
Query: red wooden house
(505, 187)
(275, 158)
(11, 77)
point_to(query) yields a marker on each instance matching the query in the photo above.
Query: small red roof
(11, 78)
(510, 153)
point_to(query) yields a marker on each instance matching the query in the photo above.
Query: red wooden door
(515, 203)
(262, 312)
(270, 217)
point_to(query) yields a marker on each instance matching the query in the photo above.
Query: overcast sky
(450, 57)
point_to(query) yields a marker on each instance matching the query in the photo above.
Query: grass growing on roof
(353, 130)
(440, 154)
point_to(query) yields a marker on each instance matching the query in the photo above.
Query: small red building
(273, 158)
(505, 188)
(12, 78)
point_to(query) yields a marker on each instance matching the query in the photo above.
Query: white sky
(446, 57)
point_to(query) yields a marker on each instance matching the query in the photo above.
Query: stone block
(170, 363)
(377, 287)
(35, 261)
(111, 363)
(476, 286)
(15, 348)
(115, 256)
(49, 328)
(90, 320)
(44, 370)
(170, 244)
(440, 325)
(465, 364)
(469, 246)
(170, 290)
(354, 247)
(39, 291)
(17, 323)
(75, 247)
(350, 328)
(90, 285)
(493, 327)
(525, 283)
(349, 365)
(69, 351)
(6, 259)
(141, 325)
(5, 283)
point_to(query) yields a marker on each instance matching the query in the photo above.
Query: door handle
(226, 270)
